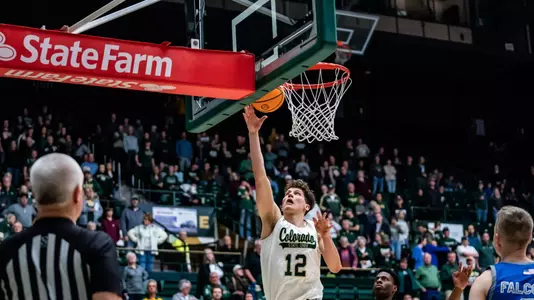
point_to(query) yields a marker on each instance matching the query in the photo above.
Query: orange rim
(342, 46)
(321, 66)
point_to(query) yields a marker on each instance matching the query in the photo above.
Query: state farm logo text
(7, 52)
(85, 80)
(108, 57)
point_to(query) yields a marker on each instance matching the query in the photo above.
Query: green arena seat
(365, 294)
(330, 293)
(348, 292)
(329, 282)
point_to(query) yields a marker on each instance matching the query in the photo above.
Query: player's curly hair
(309, 197)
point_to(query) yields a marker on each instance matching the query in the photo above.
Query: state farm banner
(55, 56)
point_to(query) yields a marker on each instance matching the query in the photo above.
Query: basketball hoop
(313, 104)
(343, 53)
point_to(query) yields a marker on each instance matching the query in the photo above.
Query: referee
(56, 259)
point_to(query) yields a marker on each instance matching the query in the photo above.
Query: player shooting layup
(513, 277)
(291, 246)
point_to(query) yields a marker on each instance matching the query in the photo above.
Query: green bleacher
(359, 287)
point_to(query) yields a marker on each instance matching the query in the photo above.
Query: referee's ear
(77, 198)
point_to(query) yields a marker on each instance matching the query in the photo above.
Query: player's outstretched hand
(253, 122)
(322, 224)
(460, 278)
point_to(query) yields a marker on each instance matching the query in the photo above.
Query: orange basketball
(272, 101)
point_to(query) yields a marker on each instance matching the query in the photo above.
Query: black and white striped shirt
(56, 259)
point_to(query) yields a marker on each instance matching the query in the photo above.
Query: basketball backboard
(286, 37)
(355, 29)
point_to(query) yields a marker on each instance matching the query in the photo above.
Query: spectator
(184, 152)
(91, 226)
(6, 226)
(355, 225)
(347, 232)
(417, 252)
(217, 293)
(81, 149)
(465, 250)
(145, 161)
(428, 276)
(399, 234)
(185, 288)
(433, 249)
(407, 282)
(8, 193)
(90, 163)
(349, 259)
(131, 217)
(377, 173)
(17, 227)
(239, 283)
(92, 210)
(227, 246)
(134, 278)
(209, 266)
(352, 197)
(147, 237)
(152, 289)
(29, 163)
(379, 226)
(391, 176)
(111, 226)
(446, 274)
(214, 282)
(331, 202)
(382, 252)
(302, 168)
(182, 246)
(481, 204)
(92, 184)
(487, 252)
(362, 150)
(470, 261)
(24, 212)
(497, 202)
(364, 254)
(447, 241)
(248, 208)
(253, 264)
(105, 181)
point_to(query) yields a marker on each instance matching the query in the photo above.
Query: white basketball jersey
(291, 263)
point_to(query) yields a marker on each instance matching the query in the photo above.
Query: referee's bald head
(57, 181)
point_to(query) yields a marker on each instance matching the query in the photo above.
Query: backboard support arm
(95, 19)
(194, 18)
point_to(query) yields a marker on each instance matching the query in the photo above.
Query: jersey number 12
(300, 264)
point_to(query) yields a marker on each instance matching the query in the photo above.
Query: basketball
(272, 101)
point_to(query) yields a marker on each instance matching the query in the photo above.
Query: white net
(313, 104)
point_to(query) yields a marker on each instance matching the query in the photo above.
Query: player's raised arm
(267, 208)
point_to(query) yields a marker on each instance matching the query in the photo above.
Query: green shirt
(428, 276)
(352, 201)
(487, 255)
(332, 202)
(446, 276)
(448, 242)
(349, 234)
(247, 203)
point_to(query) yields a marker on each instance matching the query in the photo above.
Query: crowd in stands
(376, 199)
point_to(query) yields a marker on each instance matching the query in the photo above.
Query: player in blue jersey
(513, 277)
